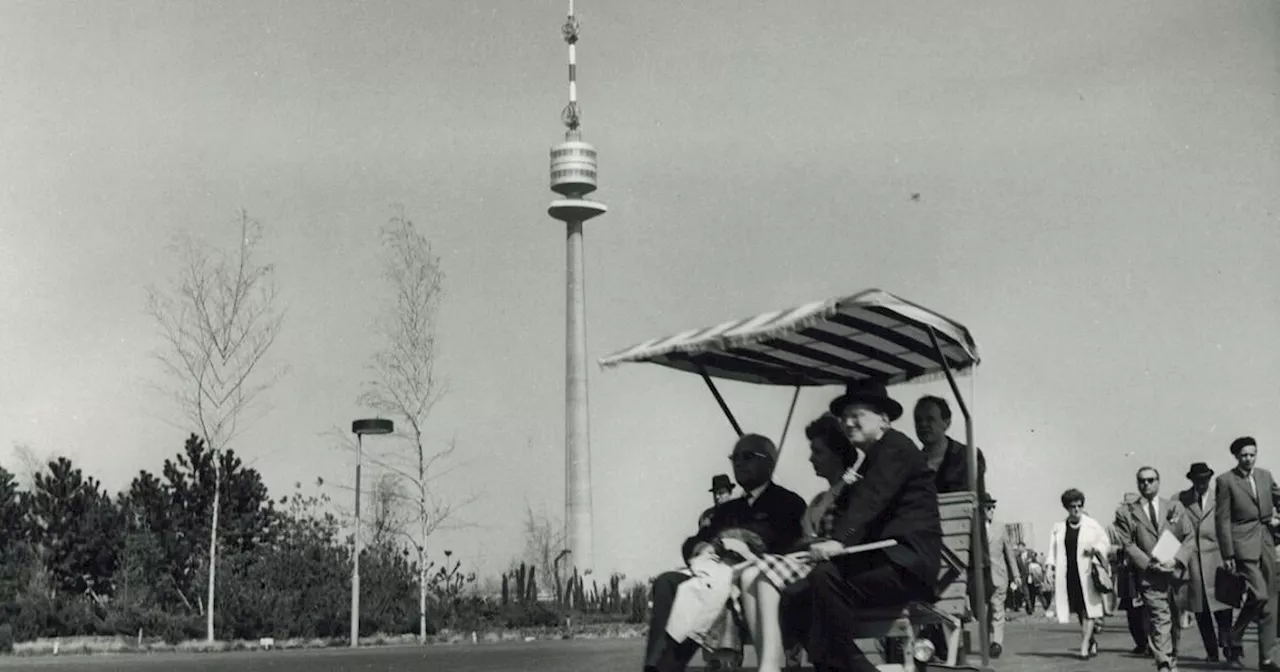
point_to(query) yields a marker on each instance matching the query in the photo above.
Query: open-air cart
(872, 335)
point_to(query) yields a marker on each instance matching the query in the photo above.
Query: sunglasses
(744, 457)
(1147, 480)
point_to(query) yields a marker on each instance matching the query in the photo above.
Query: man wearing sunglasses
(1139, 527)
(766, 518)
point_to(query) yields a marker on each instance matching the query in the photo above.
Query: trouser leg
(998, 614)
(839, 593)
(1222, 619)
(1155, 595)
(1137, 621)
(662, 653)
(1206, 624)
(1267, 608)
(794, 613)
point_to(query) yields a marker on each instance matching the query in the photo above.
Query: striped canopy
(872, 335)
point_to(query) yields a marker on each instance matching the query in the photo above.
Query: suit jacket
(1205, 555)
(772, 523)
(896, 499)
(1004, 562)
(1241, 519)
(1138, 534)
(953, 472)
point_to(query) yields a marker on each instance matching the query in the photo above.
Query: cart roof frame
(868, 336)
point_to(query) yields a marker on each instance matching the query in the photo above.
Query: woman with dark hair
(762, 584)
(1074, 544)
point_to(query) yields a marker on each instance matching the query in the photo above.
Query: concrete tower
(573, 176)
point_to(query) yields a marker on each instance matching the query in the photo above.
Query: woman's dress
(784, 571)
(1075, 592)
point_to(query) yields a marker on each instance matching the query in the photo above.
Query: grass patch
(78, 646)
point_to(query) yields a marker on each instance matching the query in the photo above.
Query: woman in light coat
(1073, 545)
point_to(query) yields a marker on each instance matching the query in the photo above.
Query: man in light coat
(1004, 572)
(1140, 526)
(1213, 618)
(1244, 508)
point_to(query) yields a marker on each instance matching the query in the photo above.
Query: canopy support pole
(720, 400)
(977, 556)
(787, 424)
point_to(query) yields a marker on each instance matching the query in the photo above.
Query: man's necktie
(1151, 513)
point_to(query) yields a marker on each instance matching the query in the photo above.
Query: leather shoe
(996, 650)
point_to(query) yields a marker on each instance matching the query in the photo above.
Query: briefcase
(1229, 588)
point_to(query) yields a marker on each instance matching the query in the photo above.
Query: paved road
(1029, 647)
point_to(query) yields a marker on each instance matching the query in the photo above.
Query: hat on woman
(870, 393)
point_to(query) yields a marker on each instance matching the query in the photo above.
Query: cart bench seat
(951, 611)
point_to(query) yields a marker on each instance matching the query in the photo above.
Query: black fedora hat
(987, 499)
(721, 482)
(1199, 470)
(869, 393)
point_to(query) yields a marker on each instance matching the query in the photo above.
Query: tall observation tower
(573, 176)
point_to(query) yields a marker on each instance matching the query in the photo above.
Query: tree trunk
(422, 545)
(422, 596)
(213, 551)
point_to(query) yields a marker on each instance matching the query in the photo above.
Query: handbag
(1102, 579)
(1229, 587)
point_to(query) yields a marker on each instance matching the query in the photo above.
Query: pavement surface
(1029, 647)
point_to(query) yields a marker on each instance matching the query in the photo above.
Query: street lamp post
(360, 428)
(566, 600)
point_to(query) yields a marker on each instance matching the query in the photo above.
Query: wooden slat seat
(951, 611)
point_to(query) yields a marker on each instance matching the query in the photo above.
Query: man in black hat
(894, 500)
(1205, 562)
(766, 518)
(721, 491)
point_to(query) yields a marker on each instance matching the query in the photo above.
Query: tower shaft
(577, 454)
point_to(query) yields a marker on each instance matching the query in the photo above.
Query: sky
(1098, 204)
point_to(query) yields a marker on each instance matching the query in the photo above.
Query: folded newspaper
(1166, 547)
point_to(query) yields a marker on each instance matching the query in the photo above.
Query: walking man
(1213, 618)
(1140, 527)
(1244, 508)
(1004, 572)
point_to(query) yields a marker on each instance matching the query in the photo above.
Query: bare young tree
(406, 386)
(219, 318)
(31, 463)
(544, 539)
(387, 521)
